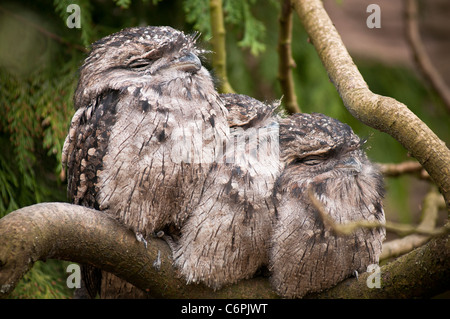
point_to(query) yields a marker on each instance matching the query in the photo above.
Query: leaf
(124, 4)
(197, 12)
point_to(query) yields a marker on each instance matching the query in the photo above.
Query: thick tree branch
(286, 62)
(382, 113)
(79, 234)
(218, 42)
(83, 235)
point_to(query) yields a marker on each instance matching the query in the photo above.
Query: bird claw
(355, 273)
(167, 239)
(157, 262)
(140, 238)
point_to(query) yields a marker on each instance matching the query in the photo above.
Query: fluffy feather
(324, 155)
(148, 126)
(227, 236)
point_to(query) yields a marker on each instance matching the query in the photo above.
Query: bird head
(138, 57)
(323, 152)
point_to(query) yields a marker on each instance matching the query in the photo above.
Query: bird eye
(313, 160)
(309, 160)
(139, 63)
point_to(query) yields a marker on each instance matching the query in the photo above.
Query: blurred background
(40, 56)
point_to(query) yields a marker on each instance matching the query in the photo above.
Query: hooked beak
(351, 164)
(188, 63)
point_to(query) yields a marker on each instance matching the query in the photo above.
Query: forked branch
(380, 112)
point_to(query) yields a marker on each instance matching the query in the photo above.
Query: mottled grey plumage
(227, 236)
(146, 146)
(148, 125)
(246, 112)
(325, 155)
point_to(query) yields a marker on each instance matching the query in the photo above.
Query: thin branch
(219, 60)
(409, 167)
(431, 204)
(409, 265)
(345, 229)
(286, 62)
(420, 235)
(87, 236)
(380, 112)
(420, 54)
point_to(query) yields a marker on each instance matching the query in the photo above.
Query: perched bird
(155, 146)
(322, 157)
(149, 124)
(227, 236)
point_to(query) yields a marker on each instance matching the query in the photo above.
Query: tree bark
(380, 112)
(79, 234)
(83, 235)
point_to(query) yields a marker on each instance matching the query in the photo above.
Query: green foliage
(125, 4)
(37, 83)
(35, 113)
(8, 184)
(237, 13)
(197, 13)
(85, 16)
(46, 280)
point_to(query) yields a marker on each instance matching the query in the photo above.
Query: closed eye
(310, 160)
(139, 63)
